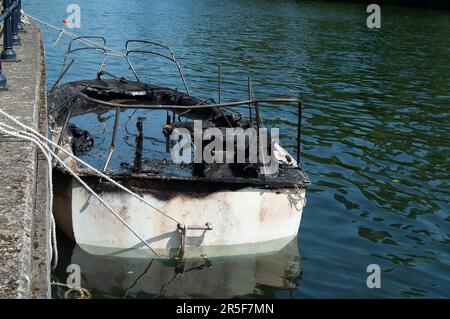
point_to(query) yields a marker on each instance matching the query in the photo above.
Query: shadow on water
(252, 276)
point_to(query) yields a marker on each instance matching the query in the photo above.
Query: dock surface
(24, 220)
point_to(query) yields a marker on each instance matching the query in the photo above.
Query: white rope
(97, 172)
(34, 137)
(34, 140)
(73, 35)
(58, 38)
(43, 143)
(24, 18)
(83, 292)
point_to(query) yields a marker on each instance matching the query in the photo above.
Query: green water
(375, 136)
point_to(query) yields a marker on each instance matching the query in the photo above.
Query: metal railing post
(15, 19)
(8, 53)
(19, 19)
(250, 96)
(299, 131)
(219, 83)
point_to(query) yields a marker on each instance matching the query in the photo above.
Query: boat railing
(254, 103)
(168, 56)
(97, 43)
(87, 46)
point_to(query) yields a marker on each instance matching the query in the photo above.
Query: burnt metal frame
(69, 51)
(64, 70)
(63, 129)
(113, 139)
(253, 102)
(170, 58)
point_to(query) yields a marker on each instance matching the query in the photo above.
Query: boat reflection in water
(227, 277)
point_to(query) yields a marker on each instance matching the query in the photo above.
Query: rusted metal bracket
(183, 230)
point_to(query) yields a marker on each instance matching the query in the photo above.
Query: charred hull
(226, 209)
(244, 220)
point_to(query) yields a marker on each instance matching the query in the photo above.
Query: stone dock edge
(24, 194)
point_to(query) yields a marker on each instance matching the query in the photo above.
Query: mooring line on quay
(38, 139)
(26, 136)
(83, 292)
(73, 35)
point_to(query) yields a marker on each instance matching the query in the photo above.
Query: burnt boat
(128, 129)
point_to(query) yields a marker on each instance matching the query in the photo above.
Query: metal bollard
(15, 20)
(20, 27)
(8, 53)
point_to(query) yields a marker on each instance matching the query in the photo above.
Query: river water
(375, 138)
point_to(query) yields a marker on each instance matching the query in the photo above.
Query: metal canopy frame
(250, 103)
(70, 50)
(132, 47)
(170, 57)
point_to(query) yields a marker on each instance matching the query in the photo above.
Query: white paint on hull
(245, 221)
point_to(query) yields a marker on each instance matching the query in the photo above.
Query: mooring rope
(83, 292)
(29, 134)
(38, 139)
(97, 172)
(24, 135)
(24, 17)
(34, 140)
(73, 35)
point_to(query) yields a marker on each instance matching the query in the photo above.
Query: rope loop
(73, 292)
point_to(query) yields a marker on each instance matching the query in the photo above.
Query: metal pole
(249, 98)
(62, 74)
(299, 130)
(8, 53)
(139, 144)
(19, 14)
(257, 130)
(219, 82)
(3, 81)
(15, 20)
(113, 140)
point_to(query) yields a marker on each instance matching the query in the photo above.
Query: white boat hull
(245, 221)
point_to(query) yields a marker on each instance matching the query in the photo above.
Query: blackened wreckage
(225, 208)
